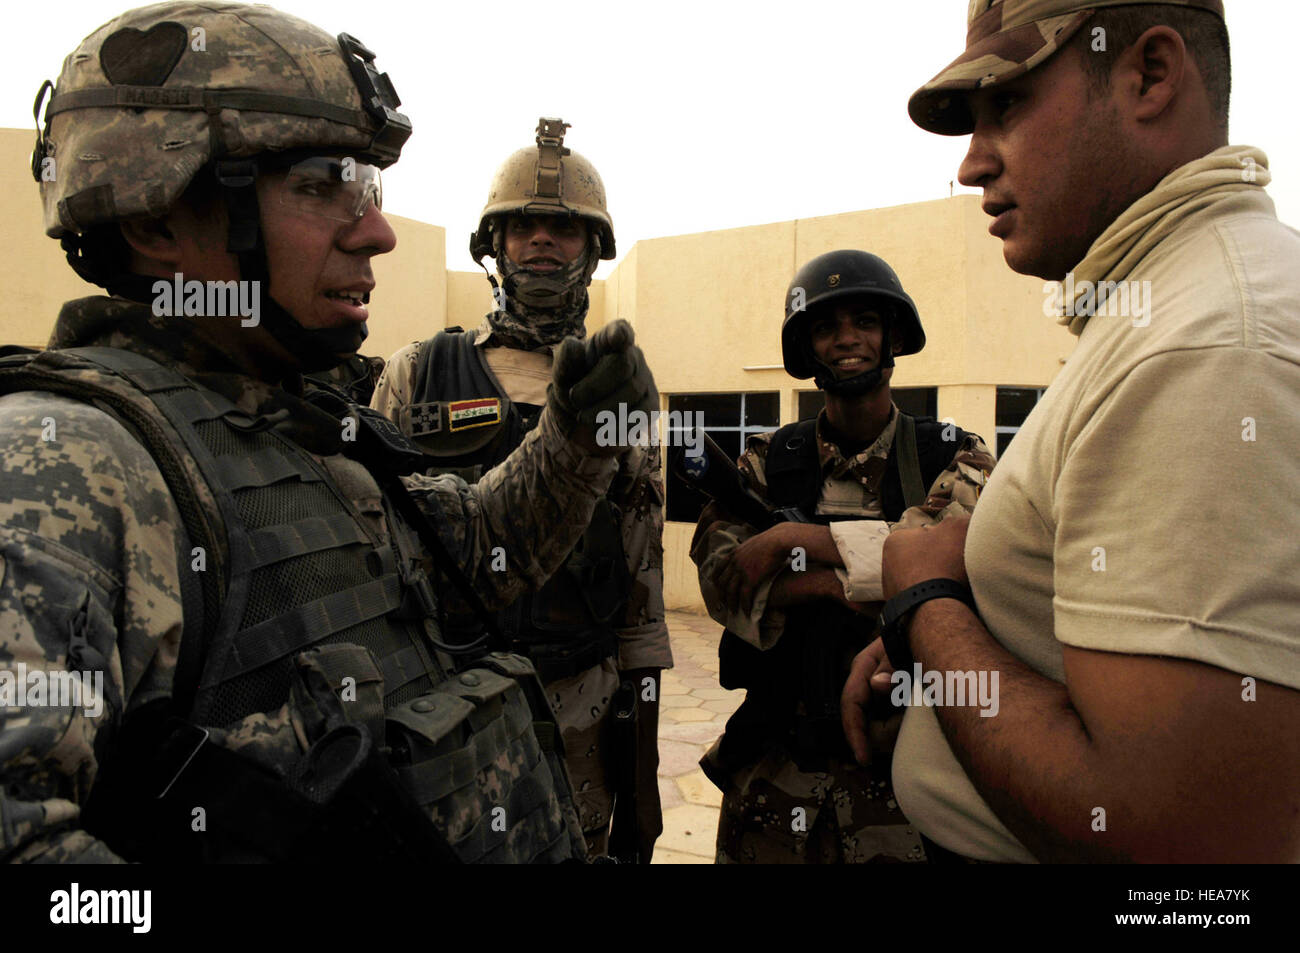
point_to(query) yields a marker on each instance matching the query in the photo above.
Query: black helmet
(836, 275)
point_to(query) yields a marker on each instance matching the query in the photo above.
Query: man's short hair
(1204, 33)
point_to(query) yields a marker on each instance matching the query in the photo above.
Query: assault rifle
(714, 474)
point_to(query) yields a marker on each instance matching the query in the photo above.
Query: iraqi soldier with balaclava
(799, 599)
(218, 635)
(596, 632)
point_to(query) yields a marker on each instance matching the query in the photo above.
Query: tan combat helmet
(132, 118)
(547, 180)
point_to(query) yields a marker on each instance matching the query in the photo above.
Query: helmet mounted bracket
(379, 99)
(550, 150)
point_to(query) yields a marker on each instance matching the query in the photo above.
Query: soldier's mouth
(543, 264)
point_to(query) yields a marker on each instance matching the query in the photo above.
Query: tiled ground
(692, 713)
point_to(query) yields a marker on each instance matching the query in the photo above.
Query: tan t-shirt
(1149, 504)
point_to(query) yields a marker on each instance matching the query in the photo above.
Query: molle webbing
(205, 100)
(301, 568)
(303, 571)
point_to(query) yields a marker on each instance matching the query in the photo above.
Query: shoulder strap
(792, 468)
(909, 461)
(937, 442)
(201, 592)
(449, 369)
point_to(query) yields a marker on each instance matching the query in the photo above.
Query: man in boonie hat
(1134, 573)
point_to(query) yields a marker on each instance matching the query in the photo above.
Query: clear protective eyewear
(339, 189)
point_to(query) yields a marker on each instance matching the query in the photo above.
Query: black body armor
(460, 416)
(793, 688)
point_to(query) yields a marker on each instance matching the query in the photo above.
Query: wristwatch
(893, 628)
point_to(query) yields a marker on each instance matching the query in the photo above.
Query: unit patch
(423, 419)
(480, 412)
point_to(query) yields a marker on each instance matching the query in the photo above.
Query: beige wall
(705, 306)
(708, 305)
(32, 268)
(412, 290)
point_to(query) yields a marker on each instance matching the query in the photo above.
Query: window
(729, 420)
(1013, 406)
(917, 401)
(811, 403)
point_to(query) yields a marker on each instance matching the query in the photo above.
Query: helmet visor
(338, 189)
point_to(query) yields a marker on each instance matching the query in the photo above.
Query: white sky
(699, 116)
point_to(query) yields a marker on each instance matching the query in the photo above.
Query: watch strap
(894, 634)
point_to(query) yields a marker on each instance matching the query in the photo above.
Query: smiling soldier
(791, 791)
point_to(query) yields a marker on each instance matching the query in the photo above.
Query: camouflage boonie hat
(1006, 39)
(152, 96)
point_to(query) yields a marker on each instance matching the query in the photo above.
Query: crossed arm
(1185, 768)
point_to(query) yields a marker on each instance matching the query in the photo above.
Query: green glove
(607, 372)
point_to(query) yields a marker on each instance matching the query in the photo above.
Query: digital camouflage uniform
(308, 616)
(356, 377)
(791, 805)
(90, 553)
(582, 702)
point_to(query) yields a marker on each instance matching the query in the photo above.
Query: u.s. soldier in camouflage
(799, 599)
(226, 554)
(596, 632)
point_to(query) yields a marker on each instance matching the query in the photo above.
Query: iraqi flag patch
(480, 412)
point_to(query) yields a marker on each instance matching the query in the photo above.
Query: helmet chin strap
(859, 384)
(317, 349)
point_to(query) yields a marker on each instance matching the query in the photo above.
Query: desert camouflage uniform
(91, 558)
(845, 813)
(582, 701)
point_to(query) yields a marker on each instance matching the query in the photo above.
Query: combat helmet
(832, 277)
(165, 92)
(550, 179)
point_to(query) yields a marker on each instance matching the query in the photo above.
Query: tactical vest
(793, 689)
(303, 572)
(460, 416)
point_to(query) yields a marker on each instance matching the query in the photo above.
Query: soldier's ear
(151, 238)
